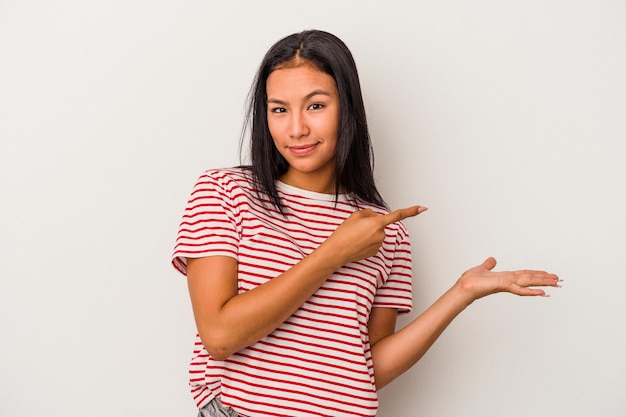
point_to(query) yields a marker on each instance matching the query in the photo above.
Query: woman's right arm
(228, 322)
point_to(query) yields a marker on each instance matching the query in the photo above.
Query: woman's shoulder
(240, 175)
(226, 182)
(362, 204)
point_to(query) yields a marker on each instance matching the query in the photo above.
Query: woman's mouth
(302, 150)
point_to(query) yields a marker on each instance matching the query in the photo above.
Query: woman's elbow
(218, 344)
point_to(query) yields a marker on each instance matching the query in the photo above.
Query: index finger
(403, 213)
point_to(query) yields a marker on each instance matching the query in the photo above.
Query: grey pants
(216, 409)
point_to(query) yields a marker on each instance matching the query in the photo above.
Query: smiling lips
(302, 150)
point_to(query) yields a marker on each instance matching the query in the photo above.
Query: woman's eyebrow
(307, 97)
(315, 93)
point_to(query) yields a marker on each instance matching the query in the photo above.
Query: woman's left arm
(393, 353)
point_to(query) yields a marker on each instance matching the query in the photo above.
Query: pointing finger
(401, 214)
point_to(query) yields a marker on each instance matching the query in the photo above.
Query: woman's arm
(228, 322)
(397, 352)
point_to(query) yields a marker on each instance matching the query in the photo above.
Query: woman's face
(303, 119)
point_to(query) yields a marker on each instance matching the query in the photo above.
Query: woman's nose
(298, 126)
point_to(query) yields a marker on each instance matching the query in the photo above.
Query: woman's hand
(482, 280)
(394, 354)
(361, 234)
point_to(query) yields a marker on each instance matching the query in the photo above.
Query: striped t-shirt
(318, 362)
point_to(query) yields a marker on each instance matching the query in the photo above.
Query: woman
(296, 270)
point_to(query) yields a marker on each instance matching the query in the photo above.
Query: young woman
(296, 270)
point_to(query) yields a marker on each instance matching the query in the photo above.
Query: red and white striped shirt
(318, 362)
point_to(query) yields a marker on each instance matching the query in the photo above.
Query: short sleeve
(209, 223)
(397, 291)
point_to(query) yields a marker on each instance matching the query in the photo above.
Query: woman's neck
(316, 183)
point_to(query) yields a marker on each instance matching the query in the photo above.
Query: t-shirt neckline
(290, 189)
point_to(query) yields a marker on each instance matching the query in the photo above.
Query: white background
(508, 119)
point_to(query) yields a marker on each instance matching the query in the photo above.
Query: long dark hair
(354, 159)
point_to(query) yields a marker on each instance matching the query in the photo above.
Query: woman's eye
(278, 110)
(316, 106)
